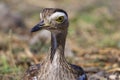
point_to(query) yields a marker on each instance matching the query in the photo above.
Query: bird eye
(60, 19)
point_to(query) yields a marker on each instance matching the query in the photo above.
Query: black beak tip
(37, 27)
(31, 30)
(34, 29)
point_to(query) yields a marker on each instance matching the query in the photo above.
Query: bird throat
(57, 45)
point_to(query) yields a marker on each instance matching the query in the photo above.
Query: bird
(54, 66)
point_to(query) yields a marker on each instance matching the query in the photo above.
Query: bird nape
(54, 66)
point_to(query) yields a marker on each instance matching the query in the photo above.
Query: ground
(93, 40)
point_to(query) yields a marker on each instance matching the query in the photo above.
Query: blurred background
(94, 34)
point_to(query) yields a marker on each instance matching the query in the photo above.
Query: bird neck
(57, 45)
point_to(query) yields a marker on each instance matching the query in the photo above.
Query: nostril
(41, 23)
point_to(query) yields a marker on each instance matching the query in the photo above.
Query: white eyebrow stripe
(57, 14)
(40, 15)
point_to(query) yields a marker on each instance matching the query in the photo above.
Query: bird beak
(41, 25)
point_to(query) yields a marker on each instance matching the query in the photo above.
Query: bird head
(52, 19)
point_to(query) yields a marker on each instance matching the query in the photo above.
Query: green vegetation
(91, 24)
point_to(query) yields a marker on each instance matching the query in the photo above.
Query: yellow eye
(60, 19)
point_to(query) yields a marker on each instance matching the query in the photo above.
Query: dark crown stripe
(60, 10)
(53, 10)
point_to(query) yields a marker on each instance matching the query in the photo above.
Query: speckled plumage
(55, 66)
